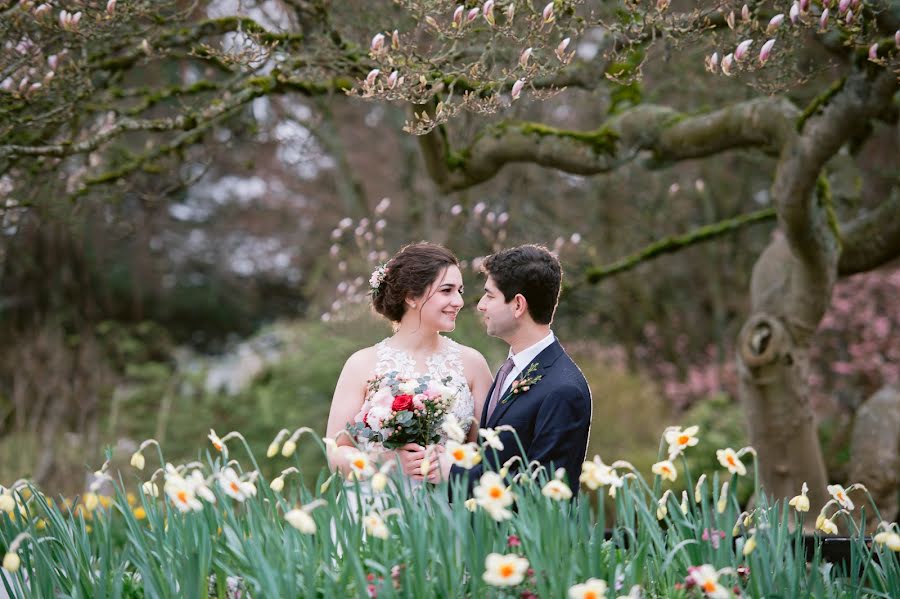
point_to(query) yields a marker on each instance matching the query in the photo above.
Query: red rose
(402, 402)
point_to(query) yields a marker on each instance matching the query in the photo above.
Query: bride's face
(442, 301)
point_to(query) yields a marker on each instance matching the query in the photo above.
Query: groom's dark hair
(532, 271)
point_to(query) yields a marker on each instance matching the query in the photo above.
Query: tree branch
(667, 135)
(676, 243)
(872, 239)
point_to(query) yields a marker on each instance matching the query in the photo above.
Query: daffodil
(723, 498)
(698, 487)
(679, 440)
(661, 505)
(470, 504)
(139, 513)
(729, 459)
(596, 474)
(706, 577)
(215, 440)
(150, 489)
(494, 496)
(665, 469)
(464, 455)
(200, 487)
(684, 502)
(840, 495)
(749, 546)
(827, 526)
(452, 429)
(288, 449)
(360, 464)
(231, 483)
(594, 588)
(800, 502)
(182, 495)
(504, 570)
(137, 460)
(277, 484)
(301, 520)
(375, 525)
(557, 490)
(888, 537)
(491, 438)
(11, 562)
(90, 501)
(7, 502)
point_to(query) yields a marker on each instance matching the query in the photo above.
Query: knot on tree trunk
(763, 340)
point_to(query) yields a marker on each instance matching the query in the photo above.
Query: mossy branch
(676, 243)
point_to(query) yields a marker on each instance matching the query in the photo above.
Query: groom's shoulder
(570, 370)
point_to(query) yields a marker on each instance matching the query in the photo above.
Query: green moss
(818, 102)
(457, 160)
(823, 194)
(602, 140)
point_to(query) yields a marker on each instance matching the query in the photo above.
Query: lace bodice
(443, 364)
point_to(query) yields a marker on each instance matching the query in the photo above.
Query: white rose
(407, 388)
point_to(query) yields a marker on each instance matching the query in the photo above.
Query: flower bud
(517, 89)
(510, 13)
(662, 5)
(11, 562)
(561, 48)
(277, 484)
(392, 80)
(897, 38)
(749, 546)
(150, 489)
(712, 62)
(873, 51)
(741, 50)
(272, 451)
(729, 20)
(289, 448)
(470, 504)
(472, 14)
(458, 16)
(377, 44)
(745, 13)
(794, 14)
(843, 5)
(774, 23)
(395, 40)
(823, 20)
(849, 18)
(7, 503)
(371, 77)
(111, 7)
(766, 50)
(53, 61)
(379, 482)
(488, 11)
(547, 13)
(804, 6)
(137, 460)
(524, 56)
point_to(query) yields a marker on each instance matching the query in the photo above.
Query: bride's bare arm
(480, 378)
(346, 402)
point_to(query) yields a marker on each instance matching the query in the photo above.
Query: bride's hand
(411, 457)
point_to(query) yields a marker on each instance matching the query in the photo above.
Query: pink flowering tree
(78, 119)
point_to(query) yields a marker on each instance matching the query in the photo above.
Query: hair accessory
(377, 277)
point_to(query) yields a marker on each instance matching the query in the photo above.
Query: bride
(420, 290)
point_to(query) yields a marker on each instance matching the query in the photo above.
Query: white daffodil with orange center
(800, 502)
(730, 460)
(464, 455)
(494, 496)
(679, 440)
(360, 464)
(215, 440)
(375, 525)
(200, 487)
(596, 474)
(594, 588)
(182, 495)
(706, 577)
(234, 487)
(491, 438)
(557, 490)
(504, 570)
(840, 495)
(665, 469)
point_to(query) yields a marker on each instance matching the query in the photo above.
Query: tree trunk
(772, 369)
(875, 453)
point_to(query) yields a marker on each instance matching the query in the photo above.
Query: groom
(539, 391)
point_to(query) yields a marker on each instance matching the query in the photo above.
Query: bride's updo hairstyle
(409, 273)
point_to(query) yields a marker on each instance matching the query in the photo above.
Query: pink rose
(419, 401)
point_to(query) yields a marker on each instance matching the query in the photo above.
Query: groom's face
(496, 311)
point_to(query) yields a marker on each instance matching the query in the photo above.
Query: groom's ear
(520, 305)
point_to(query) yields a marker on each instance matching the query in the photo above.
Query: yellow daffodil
(679, 440)
(140, 513)
(800, 502)
(729, 459)
(596, 474)
(594, 588)
(504, 570)
(840, 495)
(665, 469)
(557, 490)
(90, 501)
(464, 455)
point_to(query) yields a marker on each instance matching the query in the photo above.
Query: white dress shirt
(524, 358)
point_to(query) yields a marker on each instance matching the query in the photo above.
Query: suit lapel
(545, 360)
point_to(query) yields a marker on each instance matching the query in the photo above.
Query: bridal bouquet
(400, 410)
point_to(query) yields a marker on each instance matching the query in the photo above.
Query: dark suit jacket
(552, 419)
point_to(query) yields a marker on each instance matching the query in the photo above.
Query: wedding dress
(444, 365)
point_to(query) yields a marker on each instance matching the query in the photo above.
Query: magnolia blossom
(488, 11)
(524, 56)
(375, 526)
(774, 23)
(742, 49)
(458, 16)
(712, 62)
(766, 50)
(794, 13)
(494, 496)
(557, 490)
(464, 455)
(849, 18)
(372, 76)
(726, 64)
(800, 502)
(745, 13)
(504, 570)
(823, 20)
(472, 14)
(679, 440)
(547, 13)
(69, 21)
(594, 588)
(665, 469)
(843, 5)
(729, 459)
(897, 38)
(706, 577)
(42, 11)
(377, 44)
(111, 7)
(873, 51)
(491, 438)
(561, 48)
(301, 520)
(840, 495)
(392, 81)
(517, 89)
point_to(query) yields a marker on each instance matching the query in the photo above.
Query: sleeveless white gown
(441, 365)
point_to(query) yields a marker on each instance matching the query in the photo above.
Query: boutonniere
(522, 384)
